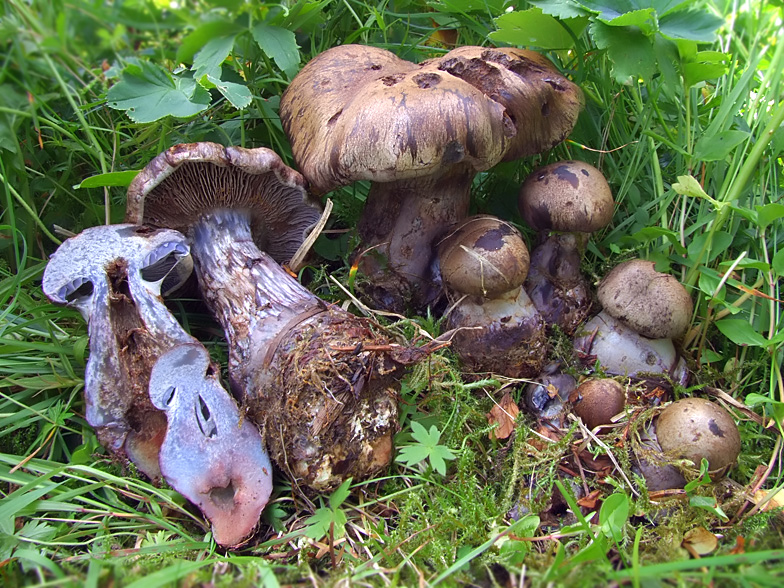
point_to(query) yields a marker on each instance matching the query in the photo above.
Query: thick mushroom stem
(320, 381)
(400, 225)
(555, 284)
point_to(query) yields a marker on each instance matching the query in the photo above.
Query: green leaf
(777, 263)
(200, 37)
(209, 59)
(741, 332)
(123, 178)
(768, 214)
(319, 524)
(237, 94)
(147, 92)
(426, 447)
(644, 19)
(613, 516)
(340, 494)
(717, 147)
(533, 27)
(562, 9)
(629, 49)
(772, 407)
(708, 503)
(280, 45)
(693, 25)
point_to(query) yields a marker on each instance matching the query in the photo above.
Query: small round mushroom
(113, 275)
(321, 382)
(597, 400)
(653, 304)
(697, 429)
(210, 454)
(483, 263)
(643, 311)
(565, 201)
(419, 134)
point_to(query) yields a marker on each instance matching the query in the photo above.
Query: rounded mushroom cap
(188, 180)
(566, 196)
(597, 401)
(483, 256)
(359, 113)
(653, 304)
(696, 428)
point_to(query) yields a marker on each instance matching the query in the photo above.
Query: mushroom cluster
(419, 133)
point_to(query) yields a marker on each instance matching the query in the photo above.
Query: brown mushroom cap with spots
(654, 304)
(419, 133)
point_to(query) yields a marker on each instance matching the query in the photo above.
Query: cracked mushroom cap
(566, 196)
(360, 113)
(483, 256)
(211, 455)
(654, 304)
(188, 180)
(113, 275)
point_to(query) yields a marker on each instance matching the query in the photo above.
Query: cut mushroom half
(210, 454)
(113, 275)
(321, 382)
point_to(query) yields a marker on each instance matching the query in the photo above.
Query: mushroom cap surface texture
(696, 428)
(188, 180)
(361, 113)
(596, 401)
(566, 196)
(483, 256)
(651, 303)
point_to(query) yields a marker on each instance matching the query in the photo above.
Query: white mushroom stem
(255, 300)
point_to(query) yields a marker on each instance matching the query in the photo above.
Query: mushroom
(545, 397)
(483, 262)
(643, 311)
(565, 201)
(697, 429)
(113, 275)
(321, 382)
(597, 400)
(419, 134)
(210, 454)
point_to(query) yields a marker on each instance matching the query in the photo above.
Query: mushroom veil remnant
(113, 276)
(419, 134)
(321, 382)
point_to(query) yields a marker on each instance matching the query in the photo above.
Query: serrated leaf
(691, 24)
(426, 446)
(208, 61)
(608, 9)
(123, 178)
(340, 494)
(237, 94)
(195, 41)
(280, 45)
(533, 27)
(319, 524)
(147, 92)
(629, 49)
(741, 332)
(561, 8)
(644, 19)
(717, 147)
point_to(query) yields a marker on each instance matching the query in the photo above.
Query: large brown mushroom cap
(360, 113)
(653, 304)
(483, 256)
(188, 180)
(696, 428)
(566, 196)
